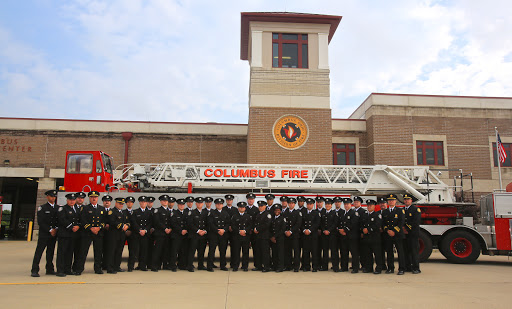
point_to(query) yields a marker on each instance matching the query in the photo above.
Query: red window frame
(508, 150)
(347, 150)
(423, 146)
(280, 41)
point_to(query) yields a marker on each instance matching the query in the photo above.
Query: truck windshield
(107, 163)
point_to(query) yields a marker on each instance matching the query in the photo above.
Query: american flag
(501, 151)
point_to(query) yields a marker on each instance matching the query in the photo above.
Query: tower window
(289, 50)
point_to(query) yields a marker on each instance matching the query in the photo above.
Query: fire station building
(289, 122)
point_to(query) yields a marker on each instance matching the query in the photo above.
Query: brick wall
(261, 147)
(289, 82)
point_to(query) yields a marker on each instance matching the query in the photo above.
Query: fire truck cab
(88, 171)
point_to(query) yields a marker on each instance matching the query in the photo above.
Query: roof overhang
(281, 17)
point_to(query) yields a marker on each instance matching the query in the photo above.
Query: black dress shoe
(130, 270)
(416, 271)
(314, 270)
(266, 270)
(408, 270)
(119, 270)
(209, 269)
(305, 269)
(400, 272)
(173, 270)
(201, 268)
(98, 272)
(365, 271)
(215, 266)
(354, 271)
(61, 275)
(245, 269)
(224, 269)
(111, 272)
(377, 272)
(155, 270)
(256, 269)
(235, 269)
(50, 272)
(34, 274)
(77, 273)
(295, 270)
(69, 273)
(137, 268)
(336, 270)
(390, 271)
(143, 269)
(191, 270)
(279, 270)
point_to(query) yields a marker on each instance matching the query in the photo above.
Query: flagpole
(498, 157)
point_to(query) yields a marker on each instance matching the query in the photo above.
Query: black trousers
(161, 252)
(43, 243)
(64, 255)
(151, 244)
(116, 240)
(330, 249)
(177, 249)
(397, 242)
(106, 251)
(142, 243)
(372, 247)
(319, 249)
(383, 239)
(339, 250)
(242, 244)
(349, 244)
(97, 242)
(301, 246)
(133, 249)
(183, 253)
(292, 252)
(310, 251)
(77, 247)
(262, 253)
(278, 254)
(197, 243)
(411, 252)
(221, 242)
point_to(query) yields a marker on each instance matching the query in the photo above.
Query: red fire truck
(443, 226)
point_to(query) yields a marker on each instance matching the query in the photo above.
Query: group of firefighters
(297, 234)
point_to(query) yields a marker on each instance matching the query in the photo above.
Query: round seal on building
(290, 132)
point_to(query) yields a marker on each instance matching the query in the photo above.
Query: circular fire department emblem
(290, 132)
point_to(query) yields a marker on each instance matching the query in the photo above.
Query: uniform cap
(292, 200)
(199, 200)
(129, 199)
(328, 201)
(371, 202)
(71, 196)
(229, 197)
(347, 200)
(219, 201)
(80, 194)
(301, 198)
(51, 193)
(337, 199)
(107, 198)
(189, 199)
(391, 197)
(319, 198)
(180, 201)
(208, 199)
(310, 201)
(93, 193)
(358, 198)
(269, 197)
(151, 199)
(241, 204)
(172, 199)
(121, 200)
(262, 203)
(250, 195)
(164, 197)
(283, 198)
(406, 196)
(381, 200)
(142, 198)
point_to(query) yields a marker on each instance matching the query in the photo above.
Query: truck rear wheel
(460, 247)
(425, 246)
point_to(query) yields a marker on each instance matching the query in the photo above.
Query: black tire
(425, 246)
(460, 247)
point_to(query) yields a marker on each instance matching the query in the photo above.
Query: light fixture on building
(7, 162)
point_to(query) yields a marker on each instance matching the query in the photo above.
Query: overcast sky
(165, 60)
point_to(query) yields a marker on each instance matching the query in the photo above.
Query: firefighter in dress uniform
(329, 237)
(412, 234)
(362, 215)
(92, 218)
(69, 227)
(218, 225)
(151, 239)
(107, 201)
(179, 234)
(252, 210)
(348, 227)
(197, 222)
(383, 205)
(372, 226)
(119, 222)
(310, 225)
(320, 202)
(241, 223)
(262, 231)
(77, 241)
(141, 225)
(133, 245)
(277, 228)
(292, 236)
(48, 226)
(162, 233)
(231, 211)
(394, 227)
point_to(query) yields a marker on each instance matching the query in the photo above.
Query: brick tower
(289, 97)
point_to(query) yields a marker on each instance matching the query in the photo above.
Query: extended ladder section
(374, 179)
